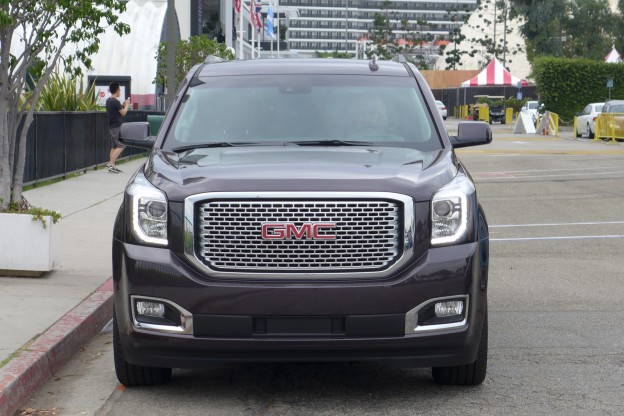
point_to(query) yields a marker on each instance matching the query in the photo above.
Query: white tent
(613, 57)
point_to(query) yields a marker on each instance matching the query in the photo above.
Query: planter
(26, 247)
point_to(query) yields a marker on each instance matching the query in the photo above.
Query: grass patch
(14, 355)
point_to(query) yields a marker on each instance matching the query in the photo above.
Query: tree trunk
(18, 177)
(5, 166)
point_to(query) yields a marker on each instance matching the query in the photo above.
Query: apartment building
(343, 25)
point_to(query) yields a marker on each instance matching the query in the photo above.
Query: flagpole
(241, 54)
(252, 11)
(278, 34)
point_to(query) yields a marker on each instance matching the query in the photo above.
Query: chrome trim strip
(185, 316)
(411, 317)
(408, 232)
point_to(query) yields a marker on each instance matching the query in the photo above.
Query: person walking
(115, 111)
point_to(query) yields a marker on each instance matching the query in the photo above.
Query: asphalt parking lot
(554, 206)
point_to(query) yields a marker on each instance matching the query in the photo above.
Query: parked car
(586, 120)
(532, 107)
(301, 210)
(442, 109)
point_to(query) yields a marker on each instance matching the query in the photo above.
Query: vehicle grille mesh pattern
(367, 236)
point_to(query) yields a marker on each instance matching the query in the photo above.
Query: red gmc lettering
(290, 231)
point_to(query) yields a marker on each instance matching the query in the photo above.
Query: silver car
(586, 120)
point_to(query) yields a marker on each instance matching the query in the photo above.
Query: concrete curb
(38, 362)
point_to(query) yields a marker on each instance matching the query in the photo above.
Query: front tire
(590, 134)
(135, 375)
(469, 374)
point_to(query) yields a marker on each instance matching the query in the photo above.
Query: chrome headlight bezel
(144, 201)
(455, 197)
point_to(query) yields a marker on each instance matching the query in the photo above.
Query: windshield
(532, 105)
(270, 109)
(599, 108)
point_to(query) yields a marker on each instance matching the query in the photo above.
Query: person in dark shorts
(115, 111)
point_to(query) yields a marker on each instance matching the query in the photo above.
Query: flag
(269, 22)
(258, 14)
(252, 13)
(237, 5)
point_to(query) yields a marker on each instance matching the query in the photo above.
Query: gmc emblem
(290, 231)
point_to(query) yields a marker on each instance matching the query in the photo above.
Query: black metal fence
(61, 143)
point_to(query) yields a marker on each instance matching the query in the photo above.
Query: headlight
(149, 211)
(450, 211)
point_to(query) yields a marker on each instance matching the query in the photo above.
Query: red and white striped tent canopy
(494, 74)
(613, 57)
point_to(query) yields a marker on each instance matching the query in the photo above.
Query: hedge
(566, 86)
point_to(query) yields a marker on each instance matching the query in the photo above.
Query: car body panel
(586, 120)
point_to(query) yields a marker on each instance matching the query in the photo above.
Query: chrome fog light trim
(411, 318)
(186, 318)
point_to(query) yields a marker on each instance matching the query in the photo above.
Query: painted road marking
(562, 224)
(575, 237)
(506, 176)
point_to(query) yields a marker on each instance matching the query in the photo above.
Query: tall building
(330, 25)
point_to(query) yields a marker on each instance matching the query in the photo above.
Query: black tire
(590, 135)
(470, 374)
(444, 118)
(135, 375)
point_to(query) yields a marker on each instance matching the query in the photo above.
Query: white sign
(102, 93)
(524, 124)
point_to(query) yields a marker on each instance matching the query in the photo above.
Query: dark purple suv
(301, 210)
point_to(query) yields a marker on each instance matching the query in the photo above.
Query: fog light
(446, 309)
(155, 309)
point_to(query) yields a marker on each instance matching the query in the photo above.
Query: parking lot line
(562, 224)
(571, 237)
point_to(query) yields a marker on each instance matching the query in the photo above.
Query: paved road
(556, 312)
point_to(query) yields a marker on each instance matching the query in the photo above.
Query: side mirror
(472, 133)
(136, 134)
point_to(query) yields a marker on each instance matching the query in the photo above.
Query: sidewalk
(45, 320)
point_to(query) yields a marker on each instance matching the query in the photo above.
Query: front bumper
(342, 320)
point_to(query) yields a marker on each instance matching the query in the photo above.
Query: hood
(301, 168)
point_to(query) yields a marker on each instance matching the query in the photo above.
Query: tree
(382, 36)
(589, 33)
(189, 53)
(333, 54)
(569, 28)
(496, 16)
(41, 30)
(454, 56)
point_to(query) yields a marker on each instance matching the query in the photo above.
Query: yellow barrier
(509, 115)
(575, 127)
(609, 126)
(484, 114)
(461, 112)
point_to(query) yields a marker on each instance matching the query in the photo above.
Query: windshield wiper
(332, 142)
(209, 145)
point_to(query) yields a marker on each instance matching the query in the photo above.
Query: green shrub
(566, 86)
(61, 93)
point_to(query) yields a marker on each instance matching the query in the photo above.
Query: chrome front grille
(228, 234)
